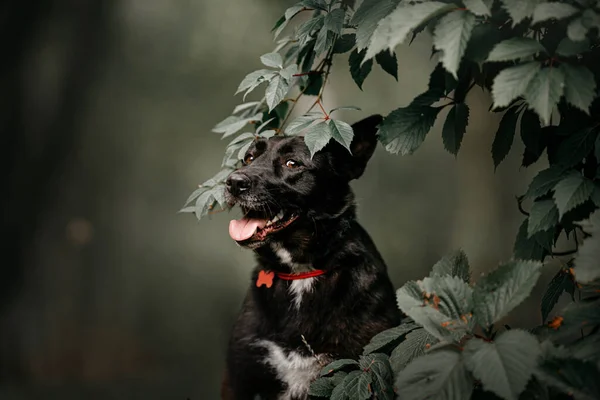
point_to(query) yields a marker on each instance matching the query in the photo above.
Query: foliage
(540, 62)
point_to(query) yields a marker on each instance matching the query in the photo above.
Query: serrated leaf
(456, 264)
(576, 377)
(288, 72)
(519, 9)
(505, 365)
(579, 315)
(324, 41)
(504, 136)
(341, 132)
(339, 393)
(388, 63)
(273, 60)
(404, 129)
(233, 124)
(544, 92)
(587, 268)
(455, 127)
(571, 191)
(367, 17)
(344, 43)
(276, 91)
(555, 10)
(203, 204)
(542, 217)
(338, 365)
(512, 82)
(316, 4)
(383, 377)
(580, 86)
(395, 28)
(357, 385)
(499, 292)
(451, 35)
(414, 345)
(251, 79)
(388, 336)
(576, 147)
(304, 32)
(299, 124)
(316, 137)
(358, 69)
(515, 48)
(569, 48)
(479, 7)
(321, 387)
(545, 181)
(532, 248)
(560, 283)
(441, 305)
(440, 375)
(334, 21)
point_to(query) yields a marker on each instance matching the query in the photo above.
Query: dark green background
(107, 292)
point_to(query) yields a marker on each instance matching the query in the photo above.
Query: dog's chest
(292, 368)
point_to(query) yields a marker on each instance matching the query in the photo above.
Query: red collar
(266, 277)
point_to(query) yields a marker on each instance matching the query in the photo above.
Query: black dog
(320, 281)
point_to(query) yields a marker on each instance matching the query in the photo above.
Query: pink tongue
(244, 228)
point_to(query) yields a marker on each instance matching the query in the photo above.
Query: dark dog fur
(338, 312)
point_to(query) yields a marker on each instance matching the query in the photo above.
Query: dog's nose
(238, 183)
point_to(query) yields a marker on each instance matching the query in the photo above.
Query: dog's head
(280, 189)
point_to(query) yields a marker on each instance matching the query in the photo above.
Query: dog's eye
(248, 159)
(292, 164)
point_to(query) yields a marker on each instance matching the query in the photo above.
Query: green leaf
(479, 7)
(316, 4)
(414, 345)
(451, 35)
(357, 385)
(388, 62)
(512, 82)
(441, 304)
(504, 366)
(383, 377)
(503, 289)
(367, 17)
(288, 72)
(344, 43)
(569, 48)
(334, 21)
(456, 264)
(532, 248)
(324, 41)
(339, 393)
(276, 91)
(556, 10)
(519, 9)
(358, 69)
(545, 181)
(321, 387)
(576, 147)
(305, 30)
(313, 85)
(350, 108)
(580, 86)
(515, 48)
(587, 269)
(404, 129)
(316, 137)
(455, 127)
(439, 375)
(233, 124)
(341, 132)
(576, 31)
(483, 39)
(571, 191)
(544, 92)
(580, 315)
(338, 365)
(383, 339)
(542, 217)
(504, 136)
(577, 378)
(203, 204)
(272, 60)
(252, 79)
(395, 28)
(293, 10)
(299, 124)
(560, 283)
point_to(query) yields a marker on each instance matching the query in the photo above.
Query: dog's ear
(362, 147)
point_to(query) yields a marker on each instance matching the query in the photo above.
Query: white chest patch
(298, 288)
(292, 368)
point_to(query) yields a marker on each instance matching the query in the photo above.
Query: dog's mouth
(255, 226)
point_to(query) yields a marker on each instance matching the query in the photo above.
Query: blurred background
(107, 105)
